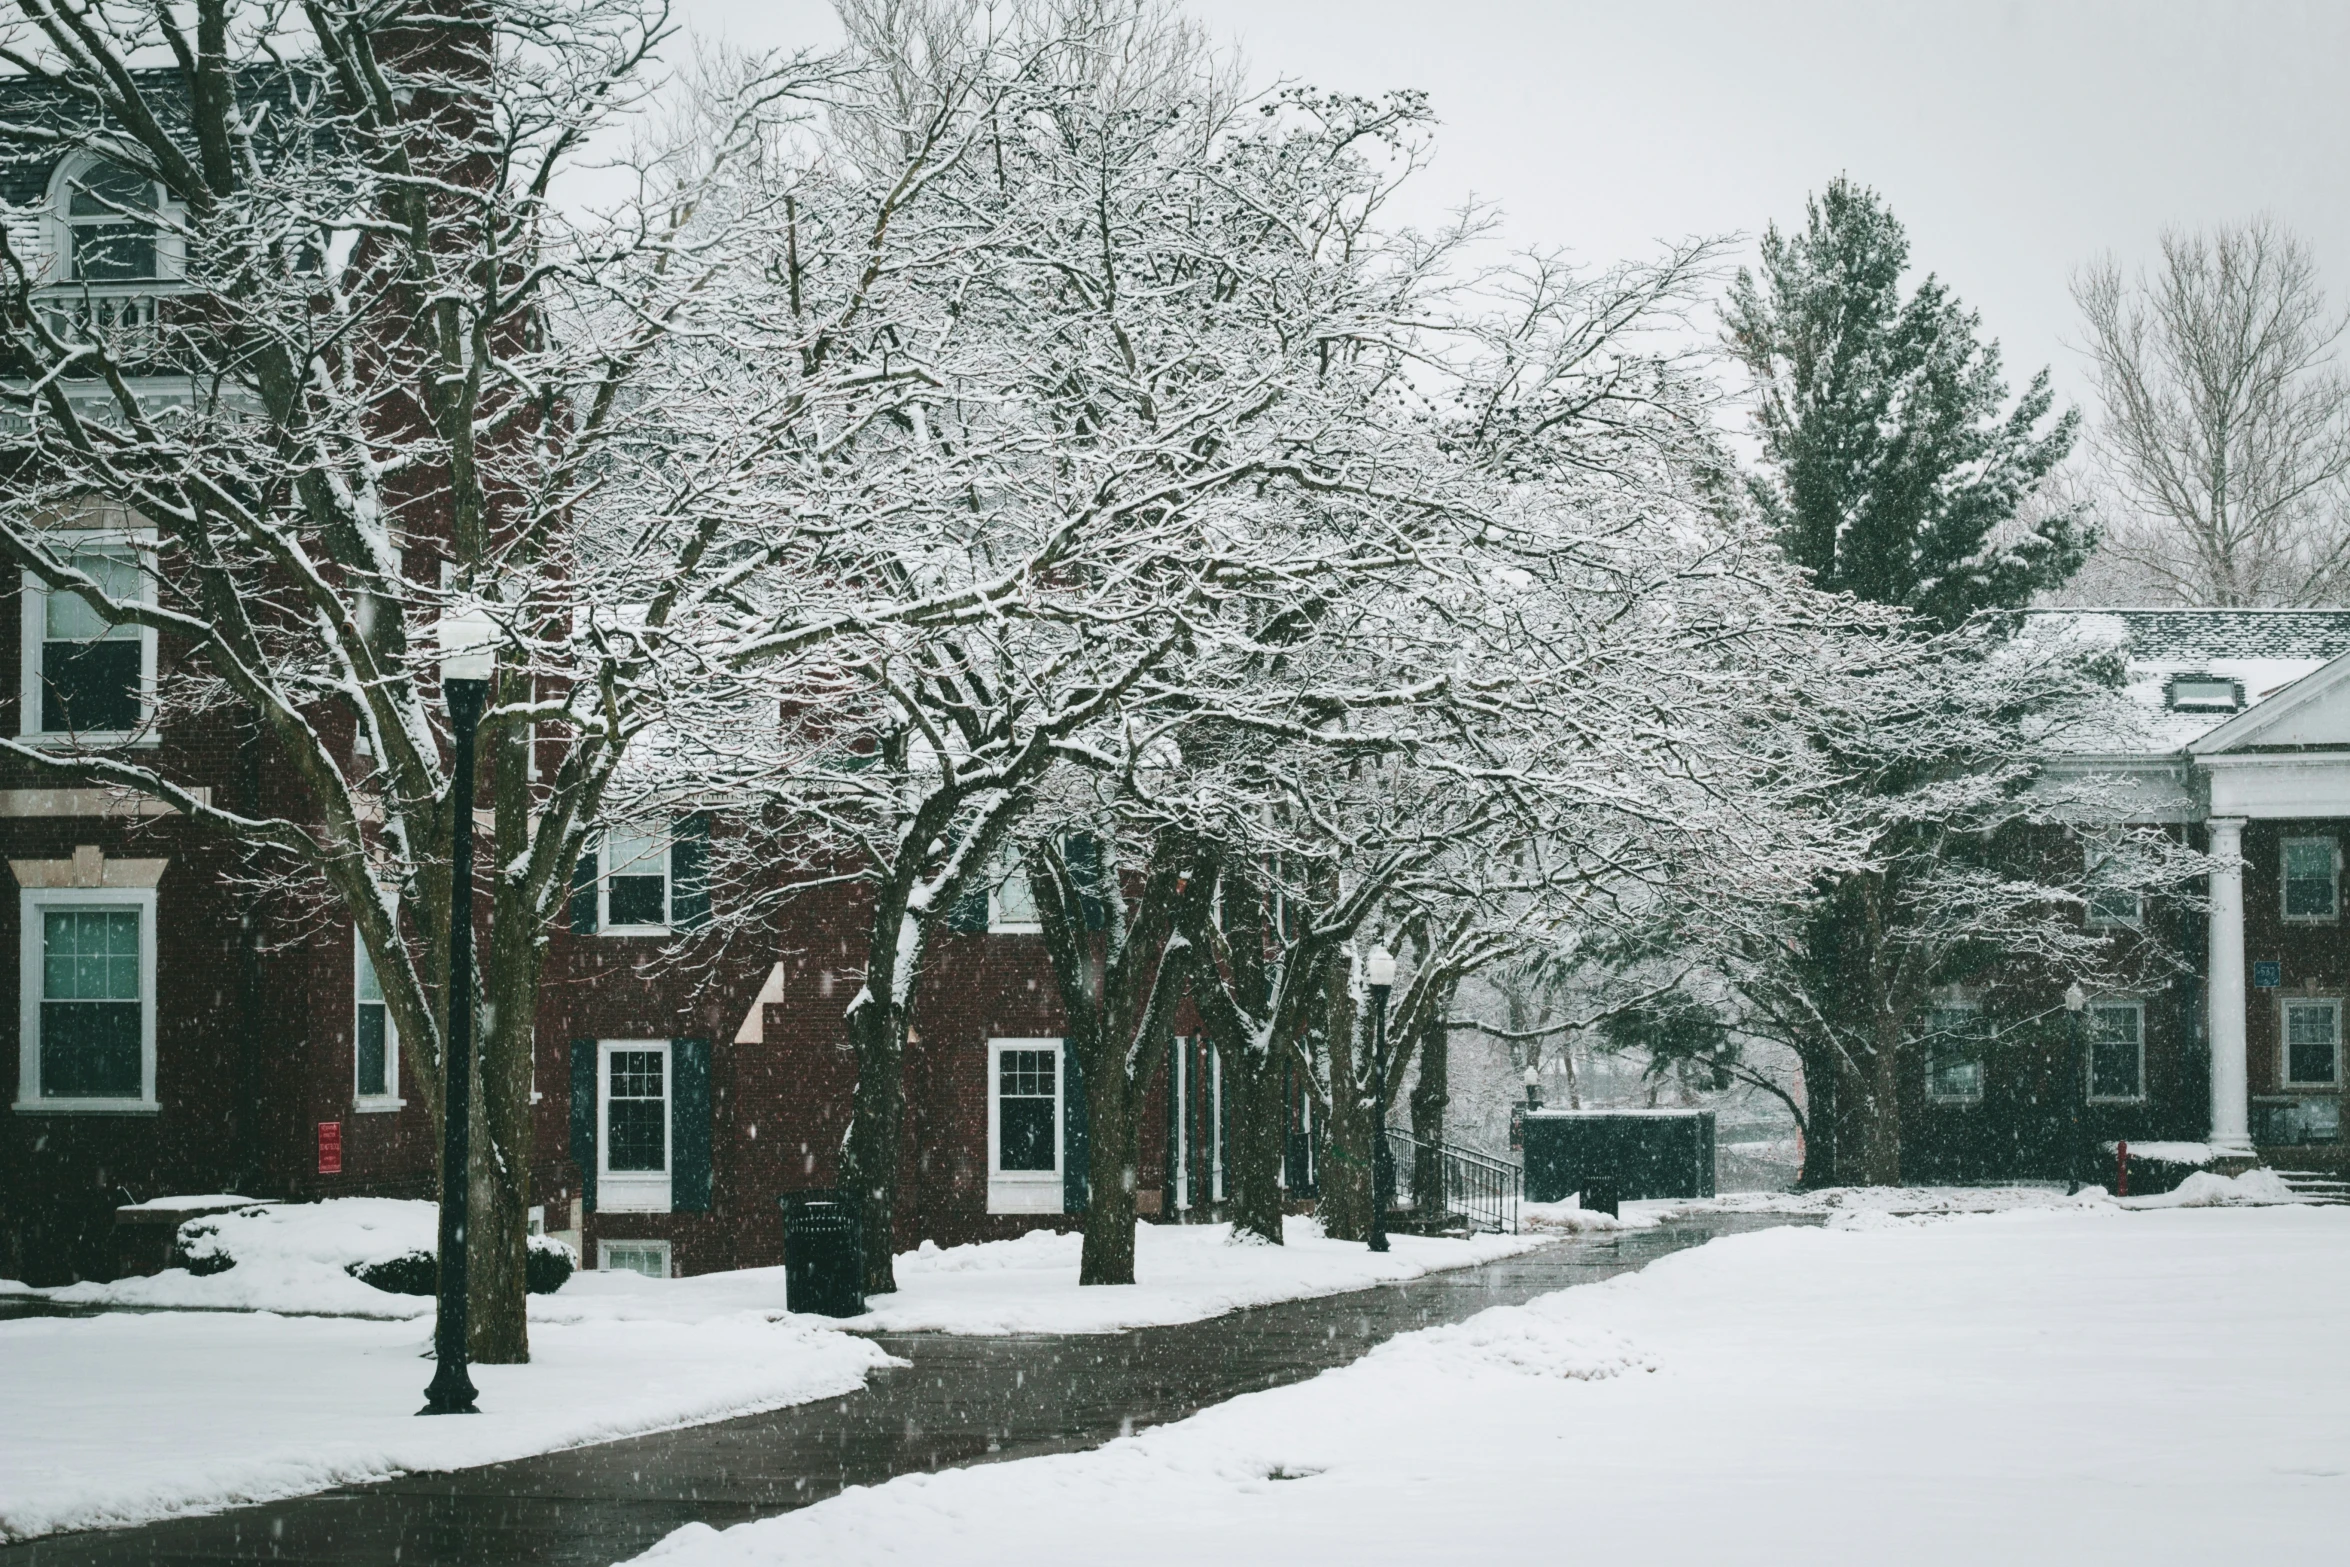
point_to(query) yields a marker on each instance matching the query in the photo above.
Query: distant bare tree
(2226, 435)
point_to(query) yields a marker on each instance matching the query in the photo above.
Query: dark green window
(2310, 892)
(1954, 1055)
(2313, 1041)
(372, 1033)
(636, 1125)
(636, 881)
(1028, 1111)
(2117, 1050)
(92, 1011)
(90, 667)
(110, 242)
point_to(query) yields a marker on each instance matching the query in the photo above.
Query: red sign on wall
(330, 1147)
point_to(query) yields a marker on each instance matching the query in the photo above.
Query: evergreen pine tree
(1888, 468)
(1890, 473)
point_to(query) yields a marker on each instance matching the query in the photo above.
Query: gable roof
(2268, 652)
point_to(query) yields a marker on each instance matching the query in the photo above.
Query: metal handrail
(1468, 1185)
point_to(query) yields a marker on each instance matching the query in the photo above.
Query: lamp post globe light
(469, 650)
(2076, 1007)
(1379, 974)
(1533, 1086)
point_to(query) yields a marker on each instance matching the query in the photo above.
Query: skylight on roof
(2205, 694)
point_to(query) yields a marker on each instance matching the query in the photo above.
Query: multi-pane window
(2117, 1051)
(2311, 879)
(375, 1043)
(92, 1010)
(90, 668)
(636, 1111)
(2313, 1043)
(108, 214)
(1012, 901)
(1028, 1105)
(2110, 904)
(636, 881)
(1954, 1055)
(650, 1258)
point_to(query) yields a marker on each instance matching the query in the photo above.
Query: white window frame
(2093, 890)
(170, 248)
(604, 1249)
(33, 629)
(998, 923)
(1982, 1062)
(2089, 1064)
(362, 1101)
(31, 903)
(1026, 1191)
(2286, 1006)
(667, 838)
(634, 1191)
(2284, 848)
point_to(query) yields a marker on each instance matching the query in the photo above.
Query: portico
(2275, 784)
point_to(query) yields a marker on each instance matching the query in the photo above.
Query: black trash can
(823, 1256)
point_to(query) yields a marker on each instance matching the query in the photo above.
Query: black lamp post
(1379, 972)
(468, 654)
(2076, 1006)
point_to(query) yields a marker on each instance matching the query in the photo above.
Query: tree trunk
(497, 1243)
(869, 1153)
(1821, 1119)
(1344, 1206)
(1114, 1114)
(1431, 1096)
(1253, 1085)
(1868, 1120)
(1880, 1131)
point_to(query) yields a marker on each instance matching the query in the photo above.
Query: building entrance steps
(962, 1400)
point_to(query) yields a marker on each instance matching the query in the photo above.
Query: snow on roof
(2264, 650)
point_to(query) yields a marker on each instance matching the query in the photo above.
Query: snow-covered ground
(292, 1259)
(1182, 1272)
(136, 1415)
(2040, 1385)
(129, 1416)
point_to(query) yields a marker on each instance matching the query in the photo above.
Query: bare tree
(2226, 435)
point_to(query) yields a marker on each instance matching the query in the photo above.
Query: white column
(2231, 1094)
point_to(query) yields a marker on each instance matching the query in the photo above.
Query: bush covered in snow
(416, 1271)
(383, 1242)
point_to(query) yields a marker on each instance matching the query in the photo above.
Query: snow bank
(290, 1258)
(1570, 1217)
(1839, 1204)
(2033, 1386)
(125, 1417)
(2207, 1189)
(1182, 1272)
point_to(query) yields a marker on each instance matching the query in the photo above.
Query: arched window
(108, 238)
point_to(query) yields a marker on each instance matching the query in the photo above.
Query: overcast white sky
(2015, 140)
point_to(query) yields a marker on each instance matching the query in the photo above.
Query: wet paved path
(961, 1401)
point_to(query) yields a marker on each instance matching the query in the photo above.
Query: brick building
(2235, 734)
(180, 1030)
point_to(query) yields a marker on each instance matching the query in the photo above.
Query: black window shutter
(583, 1118)
(1084, 855)
(583, 894)
(689, 1126)
(1076, 1169)
(689, 872)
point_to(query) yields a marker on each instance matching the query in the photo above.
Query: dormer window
(2205, 694)
(110, 233)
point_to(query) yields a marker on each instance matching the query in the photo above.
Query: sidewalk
(961, 1400)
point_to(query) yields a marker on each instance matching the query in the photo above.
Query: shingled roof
(2189, 636)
